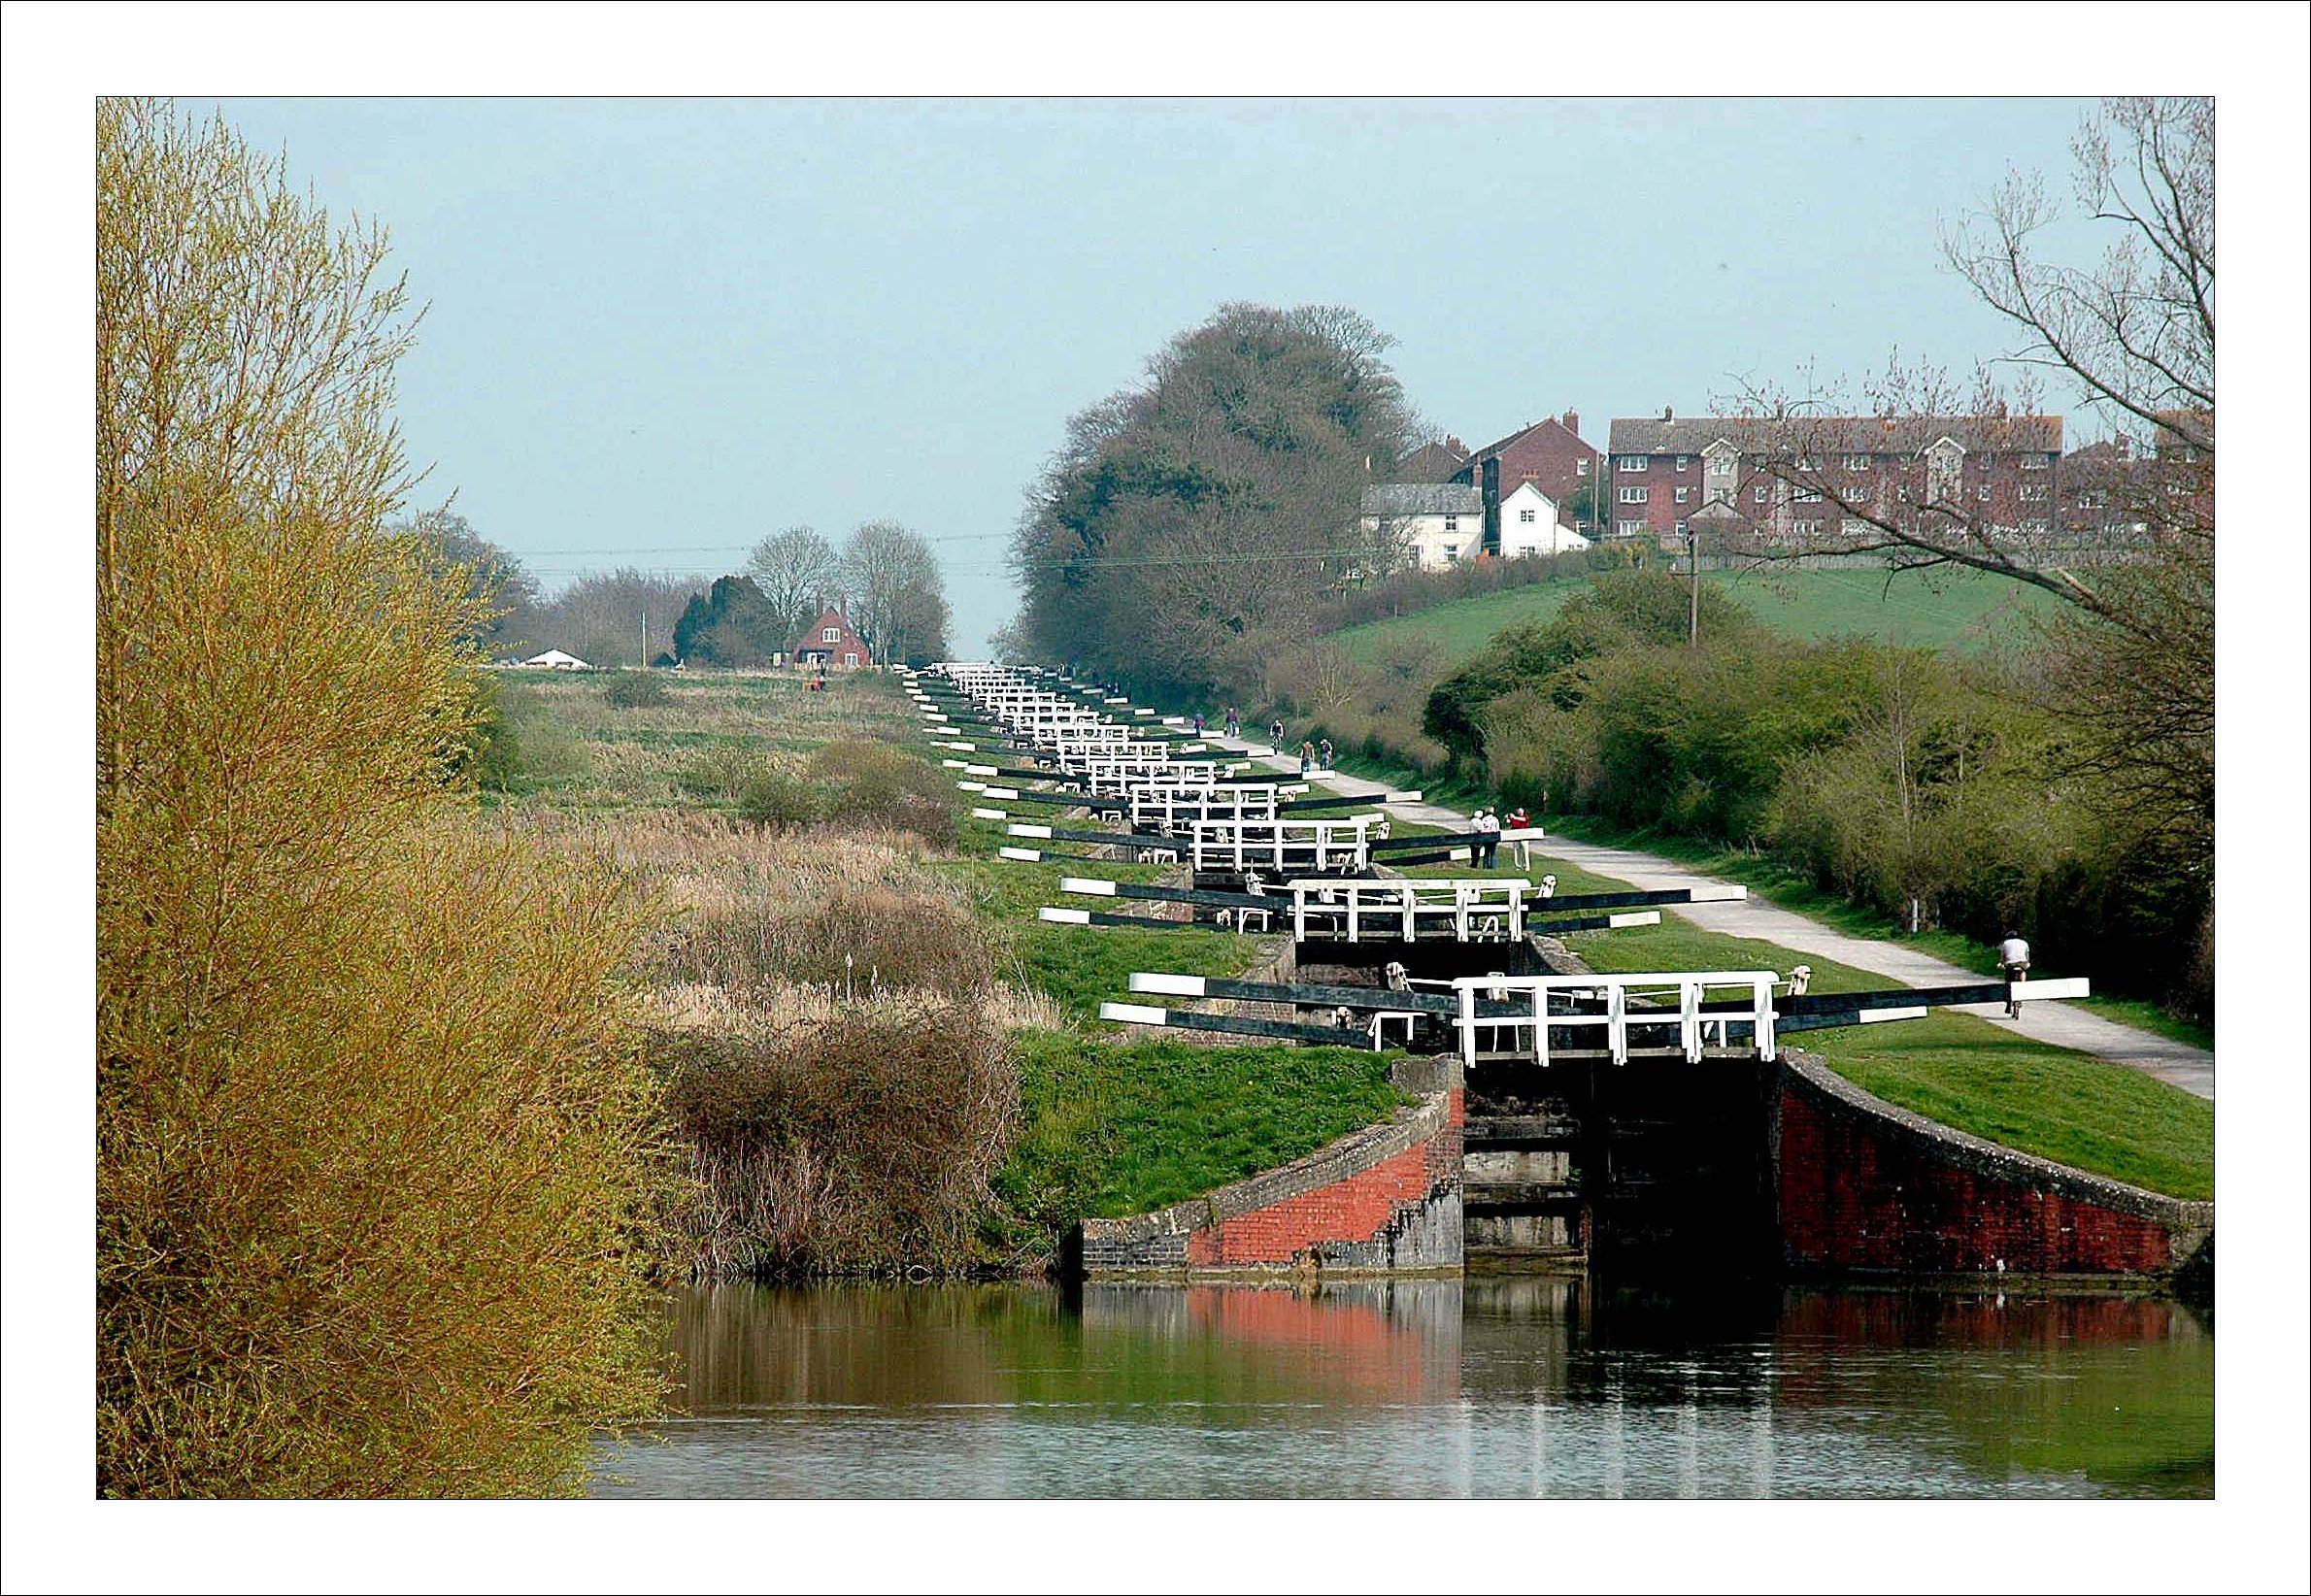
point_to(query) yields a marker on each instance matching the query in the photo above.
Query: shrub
(873, 784)
(832, 1135)
(773, 798)
(722, 774)
(372, 1178)
(635, 691)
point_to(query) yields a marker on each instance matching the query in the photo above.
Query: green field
(1961, 609)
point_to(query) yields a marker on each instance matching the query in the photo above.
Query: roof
(555, 656)
(1422, 499)
(1539, 492)
(1432, 462)
(809, 637)
(1530, 428)
(1857, 434)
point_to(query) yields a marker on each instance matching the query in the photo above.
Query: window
(1452, 523)
(1581, 468)
(1525, 517)
(849, 659)
(1682, 530)
(1635, 495)
(1859, 493)
(1632, 462)
(1683, 494)
(1982, 494)
(1807, 495)
(1809, 529)
(1853, 528)
(2036, 529)
(1856, 462)
(2033, 490)
(1758, 492)
(1722, 465)
(1629, 529)
(1683, 461)
(1902, 491)
(2090, 498)
(1452, 553)
(1806, 462)
(830, 635)
(2036, 462)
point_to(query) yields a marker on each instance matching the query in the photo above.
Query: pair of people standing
(1485, 850)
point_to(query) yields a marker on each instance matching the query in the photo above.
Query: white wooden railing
(1688, 990)
(1486, 910)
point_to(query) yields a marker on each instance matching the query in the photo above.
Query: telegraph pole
(1693, 560)
(644, 657)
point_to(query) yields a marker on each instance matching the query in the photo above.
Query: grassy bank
(1961, 1069)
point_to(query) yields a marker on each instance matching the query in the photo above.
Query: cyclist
(2014, 959)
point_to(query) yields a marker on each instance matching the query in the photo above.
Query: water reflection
(1508, 1386)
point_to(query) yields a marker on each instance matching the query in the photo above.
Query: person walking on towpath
(2014, 958)
(1199, 723)
(1233, 725)
(1487, 841)
(1307, 758)
(1324, 755)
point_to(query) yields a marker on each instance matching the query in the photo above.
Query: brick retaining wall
(1862, 1185)
(1382, 1201)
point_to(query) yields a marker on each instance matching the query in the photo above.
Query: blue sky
(660, 329)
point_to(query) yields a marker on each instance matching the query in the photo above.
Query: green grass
(1113, 1127)
(1954, 611)
(1964, 1071)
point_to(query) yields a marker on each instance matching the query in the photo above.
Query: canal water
(1489, 1387)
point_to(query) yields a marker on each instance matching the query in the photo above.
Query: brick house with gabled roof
(830, 644)
(1550, 454)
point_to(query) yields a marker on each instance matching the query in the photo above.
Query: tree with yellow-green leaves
(373, 1172)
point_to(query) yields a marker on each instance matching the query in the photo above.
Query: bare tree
(895, 594)
(797, 570)
(2127, 542)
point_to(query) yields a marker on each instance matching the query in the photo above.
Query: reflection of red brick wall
(1355, 1208)
(1856, 1196)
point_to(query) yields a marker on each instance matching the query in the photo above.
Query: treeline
(1941, 792)
(885, 580)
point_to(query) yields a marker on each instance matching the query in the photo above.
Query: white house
(1529, 525)
(1436, 525)
(554, 659)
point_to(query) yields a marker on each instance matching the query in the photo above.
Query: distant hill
(1959, 610)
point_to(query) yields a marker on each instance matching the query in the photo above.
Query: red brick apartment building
(2114, 493)
(2001, 470)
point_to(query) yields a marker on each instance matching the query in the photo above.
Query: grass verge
(1117, 1127)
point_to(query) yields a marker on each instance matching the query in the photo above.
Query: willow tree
(371, 1168)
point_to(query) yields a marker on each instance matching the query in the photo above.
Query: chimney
(1455, 445)
(1572, 422)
